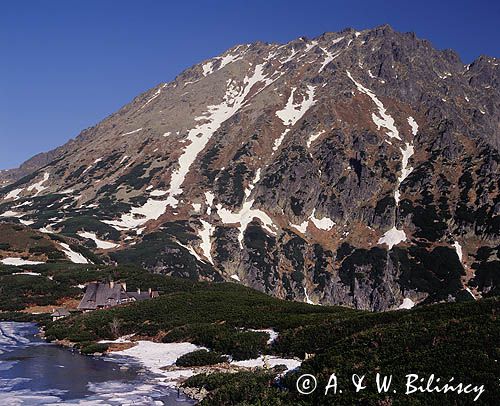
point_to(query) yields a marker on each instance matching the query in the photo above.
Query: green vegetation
(20, 291)
(459, 340)
(456, 339)
(220, 337)
(209, 314)
(240, 388)
(200, 358)
(72, 225)
(451, 339)
(58, 281)
(93, 348)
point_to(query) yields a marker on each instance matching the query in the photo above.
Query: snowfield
(155, 356)
(18, 261)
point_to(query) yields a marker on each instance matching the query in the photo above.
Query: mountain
(356, 168)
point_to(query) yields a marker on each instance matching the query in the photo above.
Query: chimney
(124, 286)
(111, 284)
(139, 291)
(150, 292)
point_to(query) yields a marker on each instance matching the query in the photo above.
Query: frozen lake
(33, 372)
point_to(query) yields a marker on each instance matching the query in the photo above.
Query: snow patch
(292, 112)
(154, 356)
(407, 304)
(246, 214)
(392, 237)
(206, 244)
(270, 361)
(329, 55)
(73, 256)
(307, 298)
(383, 119)
(13, 194)
(39, 185)
(407, 152)
(244, 217)
(138, 216)
(413, 124)
(27, 273)
(10, 213)
(157, 192)
(106, 245)
(18, 261)
(256, 179)
(470, 292)
(273, 335)
(132, 132)
(324, 223)
(191, 251)
(458, 249)
(208, 67)
(156, 94)
(313, 137)
(209, 199)
(301, 227)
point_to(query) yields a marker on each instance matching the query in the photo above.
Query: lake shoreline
(114, 380)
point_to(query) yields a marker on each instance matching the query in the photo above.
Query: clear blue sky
(65, 65)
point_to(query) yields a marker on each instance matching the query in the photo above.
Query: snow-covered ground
(106, 245)
(206, 239)
(407, 304)
(273, 335)
(313, 137)
(18, 261)
(392, 237)
(323, 223)
(73, 256)
(271, 361)
(155, 356)
(28, 273)
(293, 112)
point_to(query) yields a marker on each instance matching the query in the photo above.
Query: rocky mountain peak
(357, 168)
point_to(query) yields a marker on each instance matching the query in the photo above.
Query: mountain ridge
(31, 164)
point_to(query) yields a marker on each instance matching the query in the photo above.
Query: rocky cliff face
(358, 168)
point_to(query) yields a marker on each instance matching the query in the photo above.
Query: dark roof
(101, 295)
(98, 295)
(140, 296)
(60, 313)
